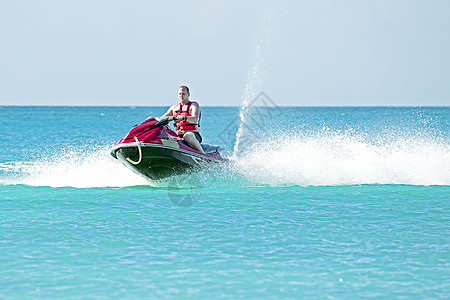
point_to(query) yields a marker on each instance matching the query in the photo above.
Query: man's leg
(191, 140)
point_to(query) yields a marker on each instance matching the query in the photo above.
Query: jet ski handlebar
(164, 121)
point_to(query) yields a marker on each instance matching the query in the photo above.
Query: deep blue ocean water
(316, 203)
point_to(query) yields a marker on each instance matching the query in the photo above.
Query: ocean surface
(316, 203)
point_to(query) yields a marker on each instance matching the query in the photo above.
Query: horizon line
(231, 106)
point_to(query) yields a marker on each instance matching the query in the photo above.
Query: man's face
(183, 95)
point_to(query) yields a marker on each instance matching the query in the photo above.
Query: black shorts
(197, 136)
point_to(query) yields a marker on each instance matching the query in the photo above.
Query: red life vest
(184, 125)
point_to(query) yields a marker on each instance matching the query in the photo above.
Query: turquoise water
(328, 203)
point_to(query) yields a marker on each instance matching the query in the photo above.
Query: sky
(299, 53)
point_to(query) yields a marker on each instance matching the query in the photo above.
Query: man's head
(183, 93)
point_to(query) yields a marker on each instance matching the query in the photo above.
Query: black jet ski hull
(158, 161)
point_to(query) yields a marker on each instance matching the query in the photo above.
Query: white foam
(73, 168)
(339, 159)
(323, 159)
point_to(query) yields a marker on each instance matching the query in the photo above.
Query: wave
(80, 168)
(332, 158)
(321, 159)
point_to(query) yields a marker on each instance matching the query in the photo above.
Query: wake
(338, 159)
(321, 159)
(83, 168)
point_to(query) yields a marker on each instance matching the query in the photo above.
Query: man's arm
(194, 112)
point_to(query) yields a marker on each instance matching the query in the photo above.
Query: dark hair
(184, 87)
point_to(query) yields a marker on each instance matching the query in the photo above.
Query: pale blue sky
(317, 52)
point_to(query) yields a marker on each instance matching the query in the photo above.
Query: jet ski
(155, 151)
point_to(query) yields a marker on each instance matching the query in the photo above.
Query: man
(187, 114)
